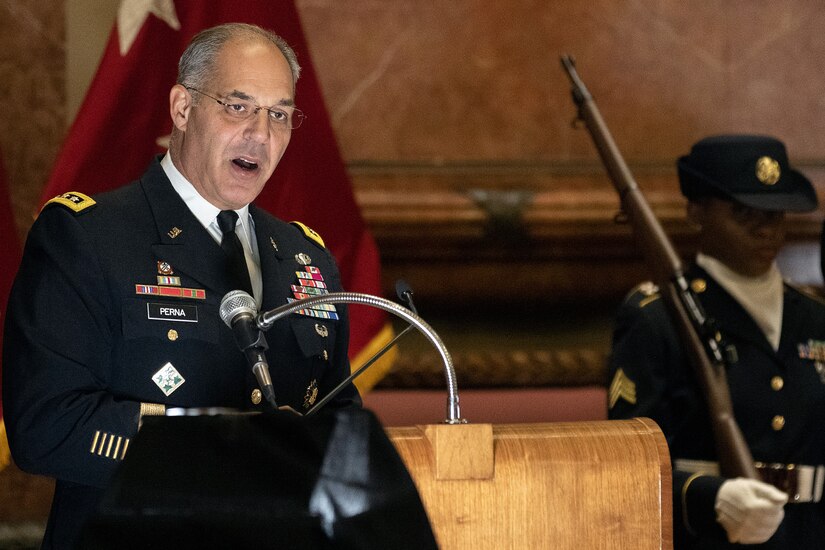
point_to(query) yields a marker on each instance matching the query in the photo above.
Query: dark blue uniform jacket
(778, 399)
(108, 298)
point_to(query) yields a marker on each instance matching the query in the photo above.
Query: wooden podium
(578, 485)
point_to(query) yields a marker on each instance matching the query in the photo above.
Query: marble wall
(475, 80)
(32, 98)
(455, 118)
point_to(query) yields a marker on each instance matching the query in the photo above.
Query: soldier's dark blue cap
(749, 169)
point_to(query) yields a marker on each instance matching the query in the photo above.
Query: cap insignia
(767, 170)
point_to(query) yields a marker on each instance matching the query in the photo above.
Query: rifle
(695, 329)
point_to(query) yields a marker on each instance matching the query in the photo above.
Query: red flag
(124, 121)
(10, 250)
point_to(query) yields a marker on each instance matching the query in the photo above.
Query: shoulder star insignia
(310, 233)
(74, 201)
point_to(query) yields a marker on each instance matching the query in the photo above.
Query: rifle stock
(695, 330)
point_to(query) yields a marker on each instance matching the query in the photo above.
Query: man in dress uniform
(114, 312)
(773, 336)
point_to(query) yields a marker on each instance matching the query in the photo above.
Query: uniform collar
(201, 208)
(761, 297)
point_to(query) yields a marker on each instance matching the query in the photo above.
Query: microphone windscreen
(234, 303)
(402, 288)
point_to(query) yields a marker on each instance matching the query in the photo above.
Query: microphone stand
(266, 319)
(405, 294)
(356, 373)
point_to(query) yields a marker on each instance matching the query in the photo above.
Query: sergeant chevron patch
(622, 387)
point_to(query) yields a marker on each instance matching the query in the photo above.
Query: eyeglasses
(241, 110)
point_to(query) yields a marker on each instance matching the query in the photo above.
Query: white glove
(749, 510)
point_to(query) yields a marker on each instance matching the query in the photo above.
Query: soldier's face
(745, 239)
(230, 160)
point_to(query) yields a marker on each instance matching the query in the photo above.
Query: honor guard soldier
(773, 337)
(114, 312)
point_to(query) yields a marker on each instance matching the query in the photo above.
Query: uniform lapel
(271, 251)
(183, 241)
(794, 324)
(730, 317)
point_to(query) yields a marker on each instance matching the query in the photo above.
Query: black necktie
(231, 245)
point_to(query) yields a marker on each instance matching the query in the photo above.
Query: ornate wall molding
(549, 230)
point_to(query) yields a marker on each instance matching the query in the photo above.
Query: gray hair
(197, 63)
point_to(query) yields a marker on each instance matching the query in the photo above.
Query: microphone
(266, 319)
(404, 292)
(238, 311)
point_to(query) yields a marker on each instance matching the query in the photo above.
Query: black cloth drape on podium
(265, 481)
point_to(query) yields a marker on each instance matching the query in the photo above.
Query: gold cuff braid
(685, 520)
(150, 409)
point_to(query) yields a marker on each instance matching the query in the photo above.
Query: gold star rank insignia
(74, 201)
(622, 387)
(310, 233)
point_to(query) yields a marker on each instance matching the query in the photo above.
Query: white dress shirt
(762, 296)
(207, 214)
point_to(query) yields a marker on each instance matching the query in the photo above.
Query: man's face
(229, 160)
(744, 239)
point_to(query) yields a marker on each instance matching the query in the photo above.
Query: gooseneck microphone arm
(266, 319)
(405, 294)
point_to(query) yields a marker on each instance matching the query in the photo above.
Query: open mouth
(245, 164)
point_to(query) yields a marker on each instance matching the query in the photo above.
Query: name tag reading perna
(172, 312)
